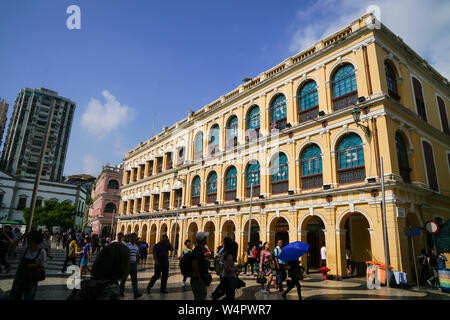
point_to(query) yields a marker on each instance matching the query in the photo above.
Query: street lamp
(356, 113)
(112, 224)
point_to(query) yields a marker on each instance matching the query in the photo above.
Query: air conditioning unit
(326, 186)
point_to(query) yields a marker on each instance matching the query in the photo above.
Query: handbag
(237, 283)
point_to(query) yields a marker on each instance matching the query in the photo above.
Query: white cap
(200, 236)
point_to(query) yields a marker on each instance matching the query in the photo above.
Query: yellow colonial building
(305, 138)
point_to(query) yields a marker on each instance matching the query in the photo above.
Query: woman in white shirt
(31, 269)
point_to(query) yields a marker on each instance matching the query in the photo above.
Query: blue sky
(134, 58)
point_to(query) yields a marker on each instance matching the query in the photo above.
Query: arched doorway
(210, 227)
(175, 237)
(315, 237)
(279, 230)
(129, 230)
(254, 234)
(228, 230)
(192, 231)
(152, 240)
(122, 229)
(412, 221)
(144, 233)
(163, 230)
(357, 240)
(136, 229)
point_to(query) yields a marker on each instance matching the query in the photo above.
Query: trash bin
(381, 270)
(444, 279)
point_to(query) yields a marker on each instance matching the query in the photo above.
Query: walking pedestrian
(220, 290)
(229, 269)
(161, 257)
(143, 251)
(71, 252)
(65, 238)
(5, 241)
(424, 267)
(250, 260)
(31, 269)
(134, 258)
(279, 265)
(264, 266)
(433, 281)
(348, 255)
(185, 250)
(110, 266)
(85, 256)
(323, 256)
(201, 278)
(46, 244)
(295, 272)
(58, 240)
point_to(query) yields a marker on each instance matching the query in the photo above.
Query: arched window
(253, 178)
(420, 102)
(196, 187)
(350, 158)
(211, 187)
(214, 139)
(231, 184)
(430, 166)
(113, 184)
(443, 115)
(280, 174)
(402, 157)
(308, 101)
(198, 146)
(344, 87)
(253, 123)
(278, 112)
(311, 166)
(110, 208)
(391, 80)
(232, 132)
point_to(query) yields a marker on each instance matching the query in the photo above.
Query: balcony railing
(308, 114)
(195, 200)
(230, 195)
(353, 174)
(280, 186)
(211, 197)
(256, 191)
(312, 181)
(345, 100)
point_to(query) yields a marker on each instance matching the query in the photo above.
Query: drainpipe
(374, 122)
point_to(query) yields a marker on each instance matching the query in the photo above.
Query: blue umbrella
(293, 251)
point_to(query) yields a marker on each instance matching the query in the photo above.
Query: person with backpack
(143, 251)
(110, 266)
(279, 266)
(185, 250)
(31, 269)
(424, 267)
(295, 272)
(161, 256)
(200, 278)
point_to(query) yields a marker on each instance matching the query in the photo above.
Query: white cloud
(91, 165)
(423, 25)
(100, 119)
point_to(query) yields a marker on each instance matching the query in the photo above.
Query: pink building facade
(105, 200)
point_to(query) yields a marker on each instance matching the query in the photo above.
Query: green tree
(53, 214)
